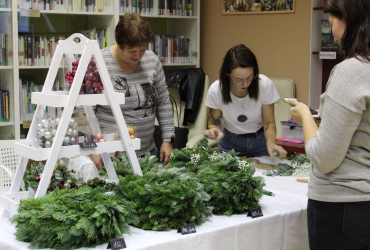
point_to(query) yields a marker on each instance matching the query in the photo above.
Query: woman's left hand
(299, 111)
(272, 148)
(165, 153)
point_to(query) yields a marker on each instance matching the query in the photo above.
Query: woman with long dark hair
(338, 209)
(241, 106)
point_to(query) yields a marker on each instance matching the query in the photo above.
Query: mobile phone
(286, 99)
(313, 112)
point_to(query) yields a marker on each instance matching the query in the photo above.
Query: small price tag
(116, 244)
(328, 55)
(254, 213)
(187, 229)
(30, 13)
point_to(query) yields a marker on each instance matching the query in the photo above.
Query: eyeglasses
(240, 81)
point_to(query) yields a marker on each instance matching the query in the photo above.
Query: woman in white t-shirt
(241, 106)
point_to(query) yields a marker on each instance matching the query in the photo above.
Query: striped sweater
(146, 98)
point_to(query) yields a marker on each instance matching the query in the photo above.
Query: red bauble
(90, 68)
(98, 91)
(85, 78)
(95, 85)
(88, 83)
(100, 85)
(53, 176)
(73, 72)
(37, 179)
(92, 61)
(96, 72)
(71, 78)
(91, 91)
(73, 63)
(91, 76)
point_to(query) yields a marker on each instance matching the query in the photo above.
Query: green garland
(73, 218)
(232, 192)
(166, 199)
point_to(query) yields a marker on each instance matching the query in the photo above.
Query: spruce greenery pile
(225, 177)
(73, 218)
(166, 199)
(123, 167)
(232, 192)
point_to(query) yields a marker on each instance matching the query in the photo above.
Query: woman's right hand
(213, 134)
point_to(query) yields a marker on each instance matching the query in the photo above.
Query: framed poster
(235, 7)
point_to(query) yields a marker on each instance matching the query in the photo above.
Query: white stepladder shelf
(28, 149)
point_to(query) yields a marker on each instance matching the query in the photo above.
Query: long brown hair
(356, 39)
(238, 56)
(132, 30)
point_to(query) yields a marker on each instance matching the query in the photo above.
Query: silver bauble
(41, 132)
(39, 126)
(69, 131)
(75, 132)
(66, 185)
(57, 120)
(73, 140)
(53, 132)
(75, 125)
(71, 122)
(43, 121)
(47, 134)
(67, 140)
(41, 143)
(41, 147)
(47, 144)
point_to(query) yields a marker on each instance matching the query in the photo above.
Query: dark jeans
(250, 146)
(337, 225)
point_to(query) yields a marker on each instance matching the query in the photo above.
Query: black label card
(88, 145)
(254, 213)
(187, 229)
(116, 244)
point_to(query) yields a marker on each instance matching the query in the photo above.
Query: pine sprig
(166, 199)
(73, 218)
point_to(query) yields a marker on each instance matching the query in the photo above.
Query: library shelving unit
(66, 20)
(320, 68)
(29, 149)
(7, 31)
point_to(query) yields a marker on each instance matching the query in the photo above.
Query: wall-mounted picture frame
(237, 7)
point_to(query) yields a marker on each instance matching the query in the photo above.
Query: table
(283, 226)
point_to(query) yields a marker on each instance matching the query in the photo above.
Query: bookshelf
(319, 68)
(65, 20)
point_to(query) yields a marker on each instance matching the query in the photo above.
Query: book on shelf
(4, 49)
(27, 109)
(5, 4)
(327, 38)
(4, 105)
(48, 5)
(36, 50)
(172, 49)
(89, 5)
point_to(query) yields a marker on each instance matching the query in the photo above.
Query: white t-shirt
(252, 108)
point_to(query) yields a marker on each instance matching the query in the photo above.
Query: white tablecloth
(283, 226)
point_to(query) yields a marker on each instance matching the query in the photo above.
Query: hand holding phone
(286, 99)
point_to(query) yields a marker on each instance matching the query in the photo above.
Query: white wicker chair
(8, 164)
